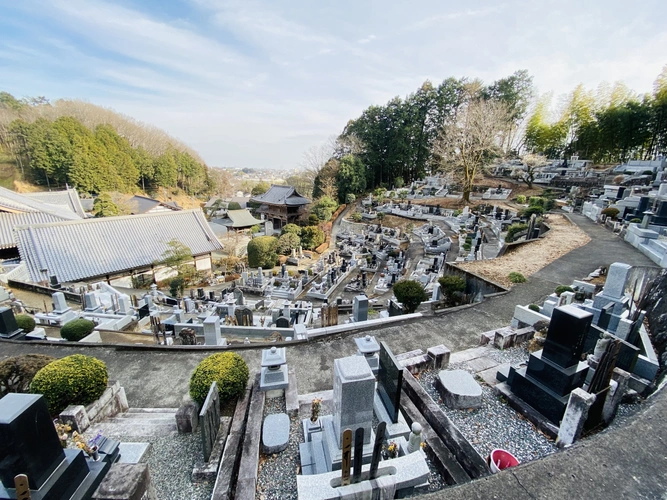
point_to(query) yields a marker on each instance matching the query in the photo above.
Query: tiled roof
(13, 202)
(9, 221)
(79, 250)
(242, 218)
(281, 195)
(68, 199)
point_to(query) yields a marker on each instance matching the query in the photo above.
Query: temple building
(282, 205)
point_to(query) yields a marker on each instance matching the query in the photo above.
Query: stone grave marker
(360, 308)
(8, 326)
(390, 379)
(59, 303)
(555, 371)
(209, 419)
(212, 330)
(354, 385)
(282, 322)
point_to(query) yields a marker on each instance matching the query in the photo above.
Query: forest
(95, 149)
(463, 124)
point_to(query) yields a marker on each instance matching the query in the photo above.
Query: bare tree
(532, 163)
(473, 139)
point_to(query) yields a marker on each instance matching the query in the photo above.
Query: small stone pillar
(369, 348)
(619, 386)
(415, 438)
(273, 375)
(575, 415)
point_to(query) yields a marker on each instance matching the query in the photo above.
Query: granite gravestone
(8, 326)
(360, 308)
(354, 385)
(555, 371)
(390, 379)
(29, 444)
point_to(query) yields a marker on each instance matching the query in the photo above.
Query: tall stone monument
(555, 371)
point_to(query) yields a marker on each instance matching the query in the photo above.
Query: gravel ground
(277, 473)
(494, 425)
(170, 461)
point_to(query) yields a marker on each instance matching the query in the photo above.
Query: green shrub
(291, 228)
(17, 372)
(636, 220)
(534, 209)
(228, 369)
(255, 229)
(287, 242)
(536, 201)
(313, 219)
(77, 329)
(72, 380)
(356, 217)
(467, 247)
(534, 307)
(25, 322)
(312, 237)
(410, 293)
(233, 205)
(262, 252)
(521, 199)
(451, 285)
(513, 230)
(611, 212)
(563, 288)
(350, 198)
(517, 277)
(177, 286)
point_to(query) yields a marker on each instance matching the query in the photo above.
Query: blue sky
(257, 83)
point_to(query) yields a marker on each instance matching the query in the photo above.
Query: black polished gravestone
(556, 370)
(29, 445)
(390, 379)
(8, 326)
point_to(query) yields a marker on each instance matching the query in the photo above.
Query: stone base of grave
(333, 452)
(537, 395)
(271, 380)
(402, 476)
(393, 430)
(539, 420)
(459, 389)
(275, 433)
(126, 482)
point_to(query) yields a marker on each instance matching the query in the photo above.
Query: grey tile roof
(13, 202)
(281, 195)
(79, 250)
(68, 199)
(9, 221)
(242, 218)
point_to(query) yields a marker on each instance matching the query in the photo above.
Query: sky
(258, 83)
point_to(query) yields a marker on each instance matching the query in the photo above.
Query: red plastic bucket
(501, 459)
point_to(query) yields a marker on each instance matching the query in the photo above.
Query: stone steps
(139, 422)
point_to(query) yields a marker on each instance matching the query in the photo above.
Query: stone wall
(112, 402)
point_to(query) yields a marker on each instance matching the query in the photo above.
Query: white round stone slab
(275, 433)
(459, 389)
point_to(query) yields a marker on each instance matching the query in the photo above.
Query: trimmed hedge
(72, 380)
(514, 229)
(611, 212)
(25, 322)
(262, 252)
(17, 372)
(228, 369)
(410, 293)
(77, 329)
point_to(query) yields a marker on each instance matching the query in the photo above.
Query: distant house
(108, 247)
(145, 205)
(18, 209)
(282, 205)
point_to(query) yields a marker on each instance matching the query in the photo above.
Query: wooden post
(346, 458)
(377, 448)
(358, 454)
(22, 487)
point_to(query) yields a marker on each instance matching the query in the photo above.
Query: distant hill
(93, 149)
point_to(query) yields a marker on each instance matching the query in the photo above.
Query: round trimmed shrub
(517, 277)
(534, 307)
(563, 288)
(228, 369)
(635, 220)
(77, 329)
(17, 372)
(72, 380)
(521, 199)
(610, 212)
(25, 322)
